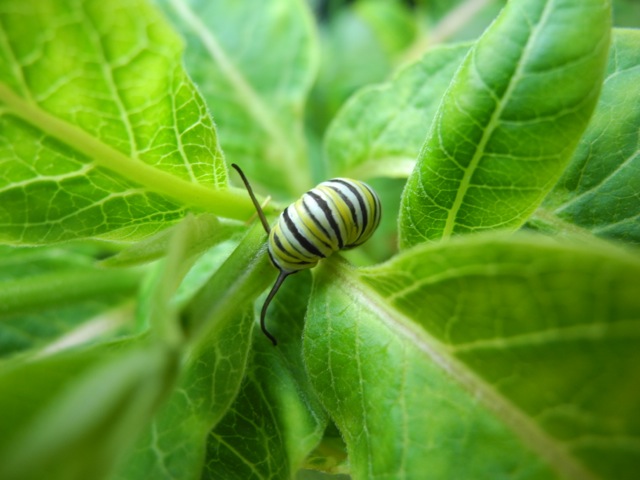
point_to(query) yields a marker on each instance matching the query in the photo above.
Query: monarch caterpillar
(335, 215)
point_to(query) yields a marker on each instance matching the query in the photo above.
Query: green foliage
(595, 191)
(501, 342)
(506, 127)
(105, 122)
(255, 84)
(398, 116)
(508, 318)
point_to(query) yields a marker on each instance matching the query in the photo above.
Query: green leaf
(519, 355)
(380, 130)
(80, 412)
(276, 419)
(218, 324)
(510, 120)
(102, 134)
(240, 54)
(472, 357)
(598, 192)
(172, 446)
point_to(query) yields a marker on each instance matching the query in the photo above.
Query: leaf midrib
(491, 125)
(531, 434)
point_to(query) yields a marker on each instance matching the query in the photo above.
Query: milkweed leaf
(102, 134)
(509, 122)
(597, 193)
(520, 354)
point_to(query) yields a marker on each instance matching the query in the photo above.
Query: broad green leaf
(47, 294)
(219, 325)
(276, 419)
(519, 355)
(380, 130)
(78, 413)
(102, 134)
(173, 445)
(510, 120)
(254, 63)
(599, 190)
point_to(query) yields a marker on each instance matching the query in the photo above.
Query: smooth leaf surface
(254, 64)
(599, 190)
(519, 355)
(380, 130)
(510, 120)
(102, 134)
(276, 419)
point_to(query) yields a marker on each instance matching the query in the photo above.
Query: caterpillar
(337, 214)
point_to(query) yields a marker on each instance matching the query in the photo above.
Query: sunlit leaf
(102, 134)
